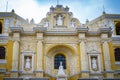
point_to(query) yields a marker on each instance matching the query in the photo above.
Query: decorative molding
(117, 63)
(39, 29)
(28, 52)
(38, 71)
(117, 71)
(16, 29)
(109, 71)
(14, 71)
(2, 70)
(85, 71)
(116, 38)
(59, 26)
(3, 38)
(105, 30)
(3, 61)
(61, 33)
(82, 30)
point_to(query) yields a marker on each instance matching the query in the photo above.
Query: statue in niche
(94, 63)
(27, 63)
(61, 74)
(61, 70)
(46, 23)
(59, 20)
(72, 23)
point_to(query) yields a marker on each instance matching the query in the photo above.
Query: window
(0, 27)
(2, 53)
(118, 28)
(117, 54)
(57, 59)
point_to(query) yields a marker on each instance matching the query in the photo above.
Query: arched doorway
(61, 53)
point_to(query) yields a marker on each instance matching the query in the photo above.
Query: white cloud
(26, 9)
(31, 9)
(86, 10)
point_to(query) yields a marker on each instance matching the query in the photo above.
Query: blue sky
(82, 9)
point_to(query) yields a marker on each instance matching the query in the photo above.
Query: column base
(85, 74)
(109, 74)
(14, 74)
(39, 73)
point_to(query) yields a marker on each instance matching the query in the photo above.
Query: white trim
(27, 53)
(99, 63)
(2, 61)
(117, 63)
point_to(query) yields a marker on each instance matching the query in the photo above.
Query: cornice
(16, 29)
(82, 30)
(3, 38)
(65, 32)
(105, 30)
(39, 29)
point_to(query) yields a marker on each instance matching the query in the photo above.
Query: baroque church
(59, 44)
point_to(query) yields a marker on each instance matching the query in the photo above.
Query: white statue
(46, 24)
(27, 64)
(94, 63)
(59, 20)
(61, 70)
(72, 23)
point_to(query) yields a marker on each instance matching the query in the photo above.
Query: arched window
(2, 53)
(0, 27)
(59, 58)
(118, 28)
(117, 54)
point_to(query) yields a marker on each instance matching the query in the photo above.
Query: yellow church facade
(30, 51)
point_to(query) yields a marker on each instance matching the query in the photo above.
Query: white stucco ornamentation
(59, 20)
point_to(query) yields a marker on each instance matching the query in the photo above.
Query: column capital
(82, 40)
(42, 41)
(16, 37)
(105, 40)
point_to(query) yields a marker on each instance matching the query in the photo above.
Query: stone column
(84, 60)
(39, 56)
(107, 62)
(14, 71)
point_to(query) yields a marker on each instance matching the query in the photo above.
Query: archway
(67, 55)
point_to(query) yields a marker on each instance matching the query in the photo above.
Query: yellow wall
(112, 56)
(8, 58)
(9, 54)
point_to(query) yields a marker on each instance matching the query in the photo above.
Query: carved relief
(48, 65)
(26, 46)
(61, 39)
(93, 47)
